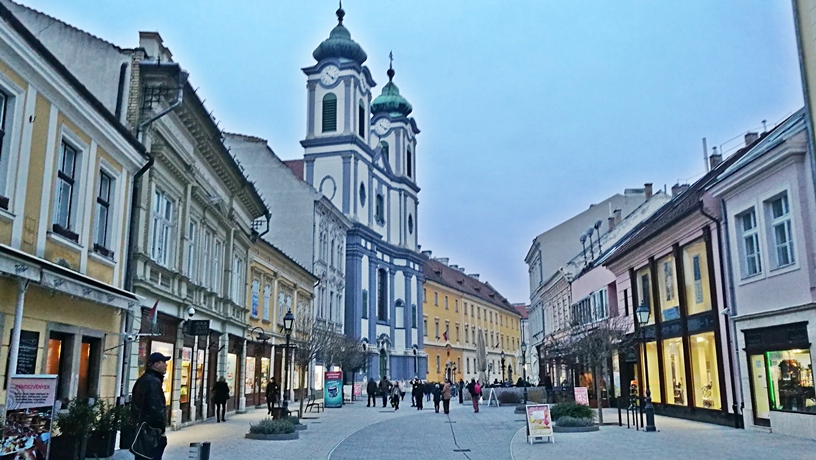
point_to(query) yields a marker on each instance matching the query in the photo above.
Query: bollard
(199, 451)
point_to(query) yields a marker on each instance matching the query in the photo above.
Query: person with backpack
(475, 392)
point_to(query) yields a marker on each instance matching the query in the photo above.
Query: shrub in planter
(571, 422)
(73, 424)
(109, 419)
(293, 420)
(269, 426)
(571, 409)
(509, 397)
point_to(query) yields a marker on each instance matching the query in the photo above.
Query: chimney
(715, 159)
(154, 46)
(611, 221)
(474, 276)
(443, 261)
(455, 267)
(647, 188)
(750, 138)
(427, 254)
(618, 216)
(461, 269)
(678, 189)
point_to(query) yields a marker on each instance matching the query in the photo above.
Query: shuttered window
(329, 112)
(361, 119)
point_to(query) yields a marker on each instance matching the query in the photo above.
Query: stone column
(242, 387)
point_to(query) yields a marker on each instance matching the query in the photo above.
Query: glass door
(759, 388)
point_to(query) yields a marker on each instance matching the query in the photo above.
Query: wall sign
(27, 356)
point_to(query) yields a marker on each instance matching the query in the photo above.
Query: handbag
(146, 442)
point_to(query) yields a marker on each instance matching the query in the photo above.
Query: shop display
(186, 364)
(792, 380)
(167, 350)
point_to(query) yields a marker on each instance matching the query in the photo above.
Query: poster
(358, 389)
(539, 422)
(29, 415)
(333, 389)
(581, 396)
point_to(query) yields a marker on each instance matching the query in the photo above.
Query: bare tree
(309, 341)
(349, 356)
(595, 343)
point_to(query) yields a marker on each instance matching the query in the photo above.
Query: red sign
(333, 375)
(581, 396)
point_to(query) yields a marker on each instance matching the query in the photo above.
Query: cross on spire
(390, 66)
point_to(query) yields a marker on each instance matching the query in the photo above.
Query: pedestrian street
(360, 432)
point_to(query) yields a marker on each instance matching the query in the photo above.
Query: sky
(530, 111)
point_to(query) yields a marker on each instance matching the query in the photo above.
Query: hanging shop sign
(198, 327)
(28, 416)
(539, 423)
(333, 389)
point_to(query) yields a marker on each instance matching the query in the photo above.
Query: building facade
(67, 168)
(361, 154)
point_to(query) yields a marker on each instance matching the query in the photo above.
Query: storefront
(232, 371)
(781, 372)
(160, 338)
(258, 368)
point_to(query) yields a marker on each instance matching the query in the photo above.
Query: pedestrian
(148, 404)
(385, 389)
(416, 392)
(446, 396)
(220, 396)
(461, 391)
(371, 391)
(437, 396)
(271, 394)
(475, 391)
(426, 388)
(396, 394)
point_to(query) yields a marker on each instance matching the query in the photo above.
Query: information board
(333, 389)
(28, 417)
(539, 422)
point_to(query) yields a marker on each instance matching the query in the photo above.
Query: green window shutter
(329, 112)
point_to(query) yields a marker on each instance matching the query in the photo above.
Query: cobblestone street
(359, 432)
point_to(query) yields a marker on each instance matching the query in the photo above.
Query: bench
(312, 404)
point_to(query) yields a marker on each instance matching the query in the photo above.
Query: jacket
(148, 404)
(437, 393)
(272, 391)
(371, 388)
(446, 391)
(395, 391)
(220, 393)
(385, 387)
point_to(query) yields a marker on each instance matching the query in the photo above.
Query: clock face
(382, 126)
(329, 75)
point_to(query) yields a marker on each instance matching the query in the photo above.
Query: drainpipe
(128, 319)
(731, 349)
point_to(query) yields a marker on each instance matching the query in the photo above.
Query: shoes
(368, 405)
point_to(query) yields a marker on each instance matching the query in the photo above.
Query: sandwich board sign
(539, 423)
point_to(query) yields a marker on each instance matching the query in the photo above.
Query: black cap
(157, 357)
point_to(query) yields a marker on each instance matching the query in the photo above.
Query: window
(66, 179)
(410, 224)
(467, 334)
(781, 234)
(4, 109)
(329, 113)
(436, 299)
(382, 291)
(479, 313)
(237, 281)
(467, 364)
(751, 260)
(385, 151)
(362, 195)
(436, 329)
(204, 276)
(215, 285)
(424, 295)
(331, 254)
(365, 303)
(361, 119)
(456, 305)
(379, 209)
(425, 327)
(267, 304)
(667, 287)
(103, 199)
(191, 249)
(644, 287)
(413, 316)
(446, 302)
(695, 269)
(409, 163)
(162, 228)
(256, 289)
(437, 364)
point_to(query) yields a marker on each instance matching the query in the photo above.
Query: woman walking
(395, 395)
(220, 395)
(446, 396)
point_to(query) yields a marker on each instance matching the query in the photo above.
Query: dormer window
(329, 113)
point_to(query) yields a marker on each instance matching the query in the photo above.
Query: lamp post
(524, 367)
(288, 320)
(501, 355)
(642, 314)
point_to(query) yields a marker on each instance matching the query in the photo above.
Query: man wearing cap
(148, 404)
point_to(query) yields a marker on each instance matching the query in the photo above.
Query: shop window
(249, 376)
(674, 369)
(58, 362)
(790, 380)
(167, 350)
(644, 287)
(654, 372)
(667, 289)
(186, 375)
(695, 270)
(704, 371)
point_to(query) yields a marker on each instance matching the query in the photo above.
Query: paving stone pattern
(360, 432)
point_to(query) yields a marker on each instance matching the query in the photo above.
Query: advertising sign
(358, 389)
(28, 417)
(539, 422)
(581, 396)
(333, 389)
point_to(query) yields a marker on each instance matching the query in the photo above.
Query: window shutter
(329, 112)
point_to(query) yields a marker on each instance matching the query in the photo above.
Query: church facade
(360, 153)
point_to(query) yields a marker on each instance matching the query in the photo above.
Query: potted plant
(102, 438)
(73, 423)
(570, 417)
(272, 430)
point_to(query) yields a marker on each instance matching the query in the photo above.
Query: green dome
(340, 45)
(390, 100)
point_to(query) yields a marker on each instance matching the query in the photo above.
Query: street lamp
(642, 314)
(262, 335)
(524, 367)
(501, 355)
(288, 320)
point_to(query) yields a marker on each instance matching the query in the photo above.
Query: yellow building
(276, 284)
(458, 308)
(66, 172)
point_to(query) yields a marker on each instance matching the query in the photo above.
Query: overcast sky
(530, 110)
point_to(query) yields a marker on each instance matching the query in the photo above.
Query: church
(360, 153)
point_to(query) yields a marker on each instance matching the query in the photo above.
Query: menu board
(539, 422)
(28, 417)
(27, 355)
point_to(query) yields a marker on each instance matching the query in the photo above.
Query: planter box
(101, 444)
(300, 427)
(273, 437)
(64, 448)
(574, 429)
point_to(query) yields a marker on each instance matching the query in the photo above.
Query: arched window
(410, 224)
(331, 254)
(409, 164)
(384, 146)
(361, 119)
(382, 292)
(379, 209)
(329, 112)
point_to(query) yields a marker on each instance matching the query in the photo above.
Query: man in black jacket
(271, 394)
(148, 404)
(385, 389)
(371, 390)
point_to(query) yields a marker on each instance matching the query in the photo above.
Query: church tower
(361, 155)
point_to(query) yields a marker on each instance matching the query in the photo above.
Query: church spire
(390, 72)
(340, 13)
